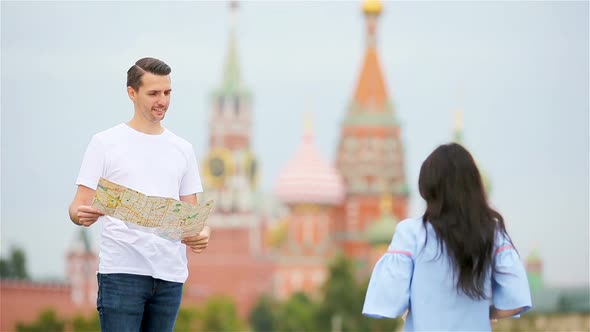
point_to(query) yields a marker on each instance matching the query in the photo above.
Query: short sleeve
(510, 287)
(92, 168)
(388, 294)
(191, 181)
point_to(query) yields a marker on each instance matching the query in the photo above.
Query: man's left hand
(199, 242)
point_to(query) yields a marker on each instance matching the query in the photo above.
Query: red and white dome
(309, 178)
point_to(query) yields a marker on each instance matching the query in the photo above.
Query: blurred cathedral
(282, 244)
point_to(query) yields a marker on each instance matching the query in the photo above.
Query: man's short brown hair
(150, 65)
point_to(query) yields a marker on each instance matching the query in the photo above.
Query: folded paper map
(166, 217)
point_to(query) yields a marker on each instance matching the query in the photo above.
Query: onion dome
(381, 231)
(308, 177)
(373, 7)
(533, 257)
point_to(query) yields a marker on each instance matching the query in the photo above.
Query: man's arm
(199, 242)
(81, 213)
(191, 199)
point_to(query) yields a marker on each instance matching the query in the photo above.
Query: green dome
(533, 257)
(381, 231)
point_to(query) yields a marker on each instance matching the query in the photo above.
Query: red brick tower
(370, 151)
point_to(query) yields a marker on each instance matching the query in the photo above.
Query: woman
(454, 268)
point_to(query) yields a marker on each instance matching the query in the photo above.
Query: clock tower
(234, 261)
(230, 168)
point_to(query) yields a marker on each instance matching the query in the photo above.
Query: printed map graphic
(169, 218)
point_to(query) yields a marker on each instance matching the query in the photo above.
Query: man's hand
(87, 215)
(199, 242)
(80, 211)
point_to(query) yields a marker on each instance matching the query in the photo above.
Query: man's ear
(131, 93)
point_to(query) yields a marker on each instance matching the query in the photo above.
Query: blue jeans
(132, 303)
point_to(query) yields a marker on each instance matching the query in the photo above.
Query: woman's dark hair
(150, 65)
(457, 209)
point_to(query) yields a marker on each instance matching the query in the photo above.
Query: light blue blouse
(411, 277)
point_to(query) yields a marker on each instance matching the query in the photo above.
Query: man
(140, 275)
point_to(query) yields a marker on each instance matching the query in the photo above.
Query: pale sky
(518, 70)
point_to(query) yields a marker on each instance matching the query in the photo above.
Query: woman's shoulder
(410, 225)
(502, 239)
(406, 234)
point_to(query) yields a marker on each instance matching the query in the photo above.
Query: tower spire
(308, 126)
(371, 94)
(458, 127)
(231, 75)
(308, 122)
(233, 7)
(372, 9)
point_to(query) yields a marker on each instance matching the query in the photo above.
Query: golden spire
(308, 124)
(458, 127)
(458, 121)
(370, 92)
(373, 7)
(308, 119)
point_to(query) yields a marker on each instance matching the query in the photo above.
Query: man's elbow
(73, 212)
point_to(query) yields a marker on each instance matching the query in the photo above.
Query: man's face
(153, 97)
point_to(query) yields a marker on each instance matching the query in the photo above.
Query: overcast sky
(518, 70)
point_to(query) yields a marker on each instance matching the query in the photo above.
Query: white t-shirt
(161, 165)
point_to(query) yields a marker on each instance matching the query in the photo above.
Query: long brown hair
(457, 209)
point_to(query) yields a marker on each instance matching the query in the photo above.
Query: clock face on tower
(218, 166)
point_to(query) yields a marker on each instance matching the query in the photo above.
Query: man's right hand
(81, 213)
(87, 215)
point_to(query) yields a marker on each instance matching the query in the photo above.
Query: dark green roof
(359, 116)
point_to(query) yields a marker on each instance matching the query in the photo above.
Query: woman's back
(414, 275)
(447, 265)
(435, 302)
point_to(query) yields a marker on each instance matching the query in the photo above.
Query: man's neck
(146, 127)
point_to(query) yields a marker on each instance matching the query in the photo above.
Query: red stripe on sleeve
(407, 253)
(499, 250)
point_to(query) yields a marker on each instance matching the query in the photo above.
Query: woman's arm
(498, 313)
